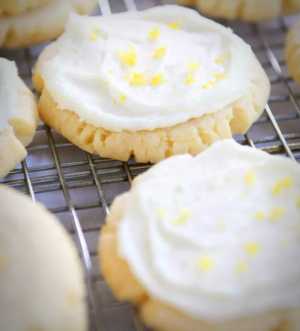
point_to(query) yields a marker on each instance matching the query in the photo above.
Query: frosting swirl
(149, 69)
(216, 236)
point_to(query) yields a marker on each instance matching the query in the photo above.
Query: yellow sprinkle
(160, 213)
(174, 25)
(183, 217)
(154, 34)
(222, 58)
(212, 83)
(252, 248)
(159, 52)
(250, 178)
(94, 33)
(127, 76)
(205, 263)
(277, 213)
(218, 76)
(110, 71)
(283, 183)
(190, 79)
(129, 57)
(204, 86)
(241, 267)
(193, 66)
(158, 79)
(123, 96)
(282, 242)
(138, 79)
(259, 216)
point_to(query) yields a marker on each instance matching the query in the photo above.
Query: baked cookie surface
(249, 10)
(171, 82)
(192, 249)
(292, 53)
(18, 117)
(43, 22)
(42, 283)
(15, 7)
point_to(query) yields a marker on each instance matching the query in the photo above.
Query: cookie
(209, 242)
(15, 7)
(249, 10)
(41, 23)
(18, 117)
(42, 283)
(292, 53)
(150, 84)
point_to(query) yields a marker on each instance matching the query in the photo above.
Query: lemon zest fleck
(138, 78)
(129, 57)
(94, 33)
(123, 96)
(183, 217)
(193, 66)
(160, 213)
(174, 25)
(252, 248)
(222, 58)
(212, 83)
(157, 79)
(159, 52)
(110, 71)
(241, 267)
(206, 263)
(250, 178)
(204, 86)
(154, 34)
(282, 183)
(190, 79)
(298, 203)
(219, 76)
(277, 213)
(259, 216)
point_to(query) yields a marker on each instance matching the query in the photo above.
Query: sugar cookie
(249, 10)
(150, 84)
(209, 242)
(18, 117)
(42, 283)
(292, 49)
(15, 7)
(44, 22)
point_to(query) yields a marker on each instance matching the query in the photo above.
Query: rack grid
(79, 188)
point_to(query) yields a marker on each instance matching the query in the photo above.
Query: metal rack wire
(79, 187)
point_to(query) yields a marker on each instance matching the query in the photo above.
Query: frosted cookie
(42, 284)
(45, 21)
(150, 84)
(18, 117)
(15, 7)
(292, 53)
(249, 10)
(209, 242)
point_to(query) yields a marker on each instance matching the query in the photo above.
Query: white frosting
(216, 236)
(8, 92)
(88, 75)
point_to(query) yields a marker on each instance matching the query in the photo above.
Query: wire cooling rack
(79, 188)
